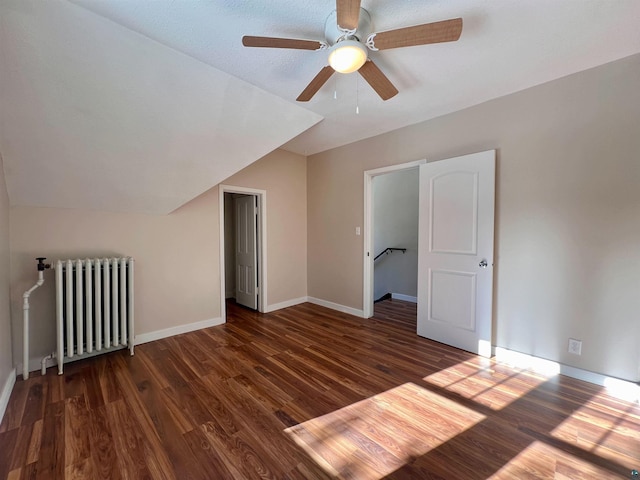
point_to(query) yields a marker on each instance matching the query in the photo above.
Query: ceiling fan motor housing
(334, 34)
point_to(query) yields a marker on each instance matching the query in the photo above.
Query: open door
(455, 259)
(246, 255)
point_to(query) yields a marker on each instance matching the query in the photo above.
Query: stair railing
(388, 250)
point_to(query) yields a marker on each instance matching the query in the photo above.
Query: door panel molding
(455, 213)
(451, 309)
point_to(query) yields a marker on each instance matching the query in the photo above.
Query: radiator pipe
(25, 316)
(43, 363)
(59, 314)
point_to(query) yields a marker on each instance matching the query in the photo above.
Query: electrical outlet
(575, 346)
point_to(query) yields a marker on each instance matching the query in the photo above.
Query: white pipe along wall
(25, 316)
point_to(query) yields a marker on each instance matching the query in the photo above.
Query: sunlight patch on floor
(543, 461)
(621, 437)
(534, 462)
(372, 438)
(486, 382)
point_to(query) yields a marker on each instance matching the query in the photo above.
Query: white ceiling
(94, 115)
(145, 94)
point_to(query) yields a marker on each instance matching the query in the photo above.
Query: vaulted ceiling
(137, 105)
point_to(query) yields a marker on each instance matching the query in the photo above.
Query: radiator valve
(41, 265)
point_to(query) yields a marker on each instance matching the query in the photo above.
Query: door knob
(483, 263)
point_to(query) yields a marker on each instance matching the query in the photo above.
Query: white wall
(395, 224)
(567, 246)
(7, 374)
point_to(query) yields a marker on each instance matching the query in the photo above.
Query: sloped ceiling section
(506, 46)
(94, 115)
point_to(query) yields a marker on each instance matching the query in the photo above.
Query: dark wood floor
(307, 392)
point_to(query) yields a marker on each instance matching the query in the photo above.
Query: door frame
(261, 244)
(367, 230)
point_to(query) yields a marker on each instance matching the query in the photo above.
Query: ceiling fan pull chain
(335, 88)
(357, 96)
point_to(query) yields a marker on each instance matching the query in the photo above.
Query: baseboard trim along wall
(170, 332)
(406, 298)
(6, 392)
(336, 306)
(35, 363)
(285, 304)
(619, 388)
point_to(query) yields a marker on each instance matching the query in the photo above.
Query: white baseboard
(285, 304)
(35, 364)
(336, 306)
(406, 298)
(619, 388)
(170, 332)
(5, 394)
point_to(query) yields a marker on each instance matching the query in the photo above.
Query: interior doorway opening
(455, 249)
(369, 231)
(242, 247)
(395, 236)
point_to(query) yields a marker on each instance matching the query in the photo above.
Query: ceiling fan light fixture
(347, 56)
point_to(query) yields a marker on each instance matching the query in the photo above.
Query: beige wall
(283, 175)
(6, 365)
(567, 212)
(176, 279)
(177, 255)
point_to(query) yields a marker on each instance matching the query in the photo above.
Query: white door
(246, 257)
(455, 259)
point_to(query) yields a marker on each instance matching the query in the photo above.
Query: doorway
(395, 236)
(368, 230)
(455, 252)
(242, 247)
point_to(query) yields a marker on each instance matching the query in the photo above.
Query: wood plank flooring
(310, 393)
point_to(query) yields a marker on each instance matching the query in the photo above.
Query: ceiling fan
(348, 36)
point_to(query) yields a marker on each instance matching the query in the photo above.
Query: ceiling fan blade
(437, 32)
(378, 80)
(272, 42)
(348, 13)
(318, 81)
